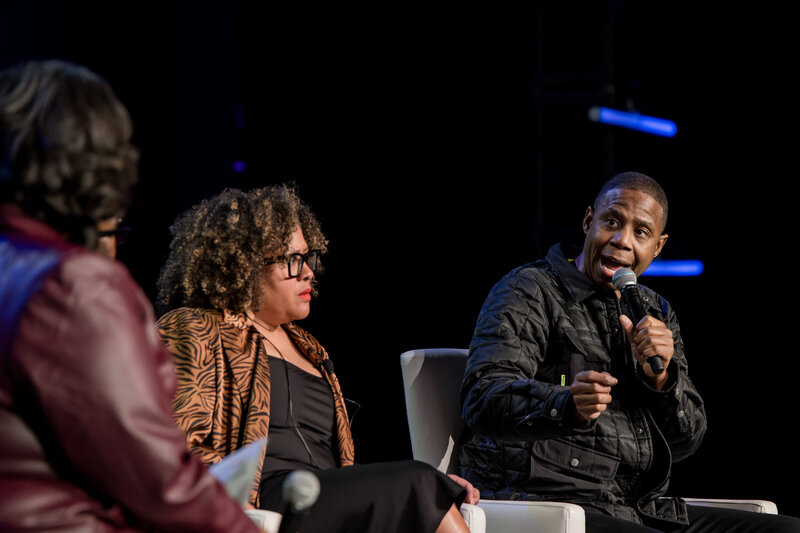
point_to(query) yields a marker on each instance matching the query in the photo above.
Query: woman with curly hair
(239, 274)
(89, 442)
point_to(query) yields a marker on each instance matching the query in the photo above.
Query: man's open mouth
(612, 265)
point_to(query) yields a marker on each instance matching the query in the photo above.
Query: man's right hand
(591, 392)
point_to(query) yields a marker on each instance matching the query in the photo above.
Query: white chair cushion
(268, 521)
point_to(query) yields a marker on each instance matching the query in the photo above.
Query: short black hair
(636, 181)
(65, 151)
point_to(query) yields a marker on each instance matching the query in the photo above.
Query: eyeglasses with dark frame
(119, 234)
(296, 261)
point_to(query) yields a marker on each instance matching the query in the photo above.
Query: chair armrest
(756, 506)
(268, 521)
(474, 517)
(514, 516)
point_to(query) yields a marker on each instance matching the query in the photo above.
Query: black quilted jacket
(539, 326)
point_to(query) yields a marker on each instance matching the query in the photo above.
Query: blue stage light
(674, 267)
(633, 121)
(239, 166)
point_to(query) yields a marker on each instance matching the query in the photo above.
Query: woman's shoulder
(183, 318)
(85, 280)
(189, 333)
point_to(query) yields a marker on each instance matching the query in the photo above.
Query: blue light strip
(633, 121)
(674, 267)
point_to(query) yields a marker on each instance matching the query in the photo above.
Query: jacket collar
(561, 257)
(305, 343)
(238, 320)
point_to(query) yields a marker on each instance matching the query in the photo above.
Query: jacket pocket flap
(566, 455)
(591, 349)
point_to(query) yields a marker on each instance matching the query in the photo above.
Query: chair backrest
(432, 380)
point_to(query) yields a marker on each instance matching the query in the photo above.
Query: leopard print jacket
(222, 401)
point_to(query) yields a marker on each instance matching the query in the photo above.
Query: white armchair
(432, 379)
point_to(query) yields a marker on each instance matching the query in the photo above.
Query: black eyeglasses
(119, 234)
(296, 261)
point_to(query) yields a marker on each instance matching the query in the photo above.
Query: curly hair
(66, 154)
(220, 247)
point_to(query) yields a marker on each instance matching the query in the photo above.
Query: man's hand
(473, 494)
(591, 392)
(650, 337)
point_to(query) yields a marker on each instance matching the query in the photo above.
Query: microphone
(624, 281)
(300, 491)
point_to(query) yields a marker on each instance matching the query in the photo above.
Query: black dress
(398, 496)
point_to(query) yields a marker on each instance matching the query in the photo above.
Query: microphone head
(623, 277)
(300, 490)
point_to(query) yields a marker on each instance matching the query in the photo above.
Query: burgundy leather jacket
(88, 441)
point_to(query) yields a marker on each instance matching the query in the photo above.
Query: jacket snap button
(681, 413)
(554, 413)
(574, 461)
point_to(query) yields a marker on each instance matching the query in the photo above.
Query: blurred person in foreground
(559, 392)
(240, 272)
(88, 441)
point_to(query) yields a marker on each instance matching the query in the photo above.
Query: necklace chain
(262, 329)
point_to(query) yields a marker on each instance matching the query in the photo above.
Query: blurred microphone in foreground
(300, 492)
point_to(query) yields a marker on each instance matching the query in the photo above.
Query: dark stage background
(443, 145)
